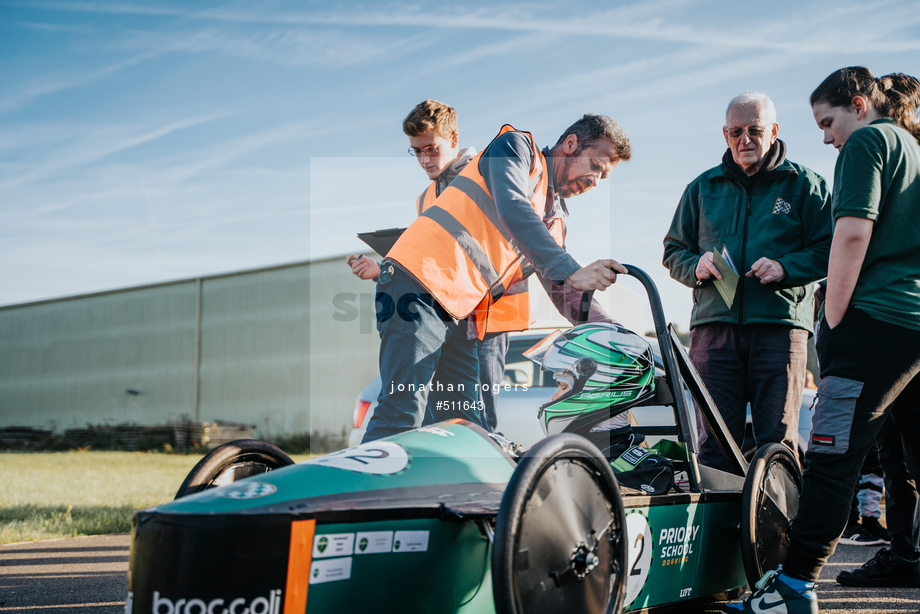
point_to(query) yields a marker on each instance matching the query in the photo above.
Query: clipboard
(381, 241)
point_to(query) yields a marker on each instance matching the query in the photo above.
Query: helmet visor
(538, 352)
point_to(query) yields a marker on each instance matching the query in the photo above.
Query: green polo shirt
(877, 177)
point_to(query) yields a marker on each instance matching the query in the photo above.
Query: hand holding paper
(728, 284)
(705, 269)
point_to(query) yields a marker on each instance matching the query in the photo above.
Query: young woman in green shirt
(869, 339)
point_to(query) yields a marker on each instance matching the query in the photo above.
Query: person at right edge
(772, 217)
(869, 338)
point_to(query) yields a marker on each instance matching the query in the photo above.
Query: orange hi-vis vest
(511, 311)
(459, 251)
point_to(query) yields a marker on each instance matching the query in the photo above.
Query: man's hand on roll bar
(596, 276)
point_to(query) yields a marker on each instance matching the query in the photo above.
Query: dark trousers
(492, 352)
(902, 505)
(423, 352)
(866, 365)
(760, 364)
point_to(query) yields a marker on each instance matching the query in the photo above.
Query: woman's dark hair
(896, 95)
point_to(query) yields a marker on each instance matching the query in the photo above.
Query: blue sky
(142, 142)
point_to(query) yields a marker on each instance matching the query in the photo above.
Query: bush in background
(305, 443)
(134, 438)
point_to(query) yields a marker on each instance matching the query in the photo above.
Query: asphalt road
(85, 575)
(89, 575)
(834, 598)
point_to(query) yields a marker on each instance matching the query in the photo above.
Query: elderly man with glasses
(770, 219)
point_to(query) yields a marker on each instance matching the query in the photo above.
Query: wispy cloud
(440, 65)
(237, 147)
(176, 172)
(290, 47)
(44, 85)
(636, 21)
(97, 143)
(54, 27)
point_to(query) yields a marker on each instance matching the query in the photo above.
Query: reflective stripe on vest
(459, 250)
(426, 198)
(462, 236)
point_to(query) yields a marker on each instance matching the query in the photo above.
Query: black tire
(231, 462)
(561, 513)
(769, 502)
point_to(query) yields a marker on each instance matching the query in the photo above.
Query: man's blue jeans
(423, 351)
(492, 352)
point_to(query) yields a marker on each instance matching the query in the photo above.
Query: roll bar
(679, 371)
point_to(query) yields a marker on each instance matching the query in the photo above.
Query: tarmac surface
(89, 575)
(85, 575)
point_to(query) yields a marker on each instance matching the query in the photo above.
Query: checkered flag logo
(781, 206)
(247, 490)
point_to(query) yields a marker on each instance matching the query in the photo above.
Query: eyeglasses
(755, 132)
(430, 151)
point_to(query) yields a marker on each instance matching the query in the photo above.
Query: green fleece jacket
(785, 216)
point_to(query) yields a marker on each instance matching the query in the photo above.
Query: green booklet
(729, 282)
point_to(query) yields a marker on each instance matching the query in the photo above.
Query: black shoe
(873, 526)
(884, 569)
(861, 537)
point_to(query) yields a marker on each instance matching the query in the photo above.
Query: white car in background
(517, 408)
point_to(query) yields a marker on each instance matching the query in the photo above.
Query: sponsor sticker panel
(373, 542)
(336, 544)
(410, 541)
(330, 570)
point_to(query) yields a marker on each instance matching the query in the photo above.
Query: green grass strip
(47, 495)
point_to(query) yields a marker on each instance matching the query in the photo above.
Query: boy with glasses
(433, 140)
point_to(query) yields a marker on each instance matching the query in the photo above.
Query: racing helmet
(608, 368)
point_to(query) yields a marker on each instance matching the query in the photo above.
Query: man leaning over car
(499, 221)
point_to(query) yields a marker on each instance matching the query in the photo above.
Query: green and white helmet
(606, 366)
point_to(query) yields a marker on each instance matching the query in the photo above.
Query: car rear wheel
(769, 502)
(560, 543)
(231, 462)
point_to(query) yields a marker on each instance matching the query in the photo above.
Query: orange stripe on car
(298, 576)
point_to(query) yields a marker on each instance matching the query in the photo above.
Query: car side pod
(560, 535)
(231, 462)
(769, 502)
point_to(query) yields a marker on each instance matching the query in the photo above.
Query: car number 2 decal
(374, 458)
(639, 554)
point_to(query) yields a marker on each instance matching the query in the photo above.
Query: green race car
(449, 518)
